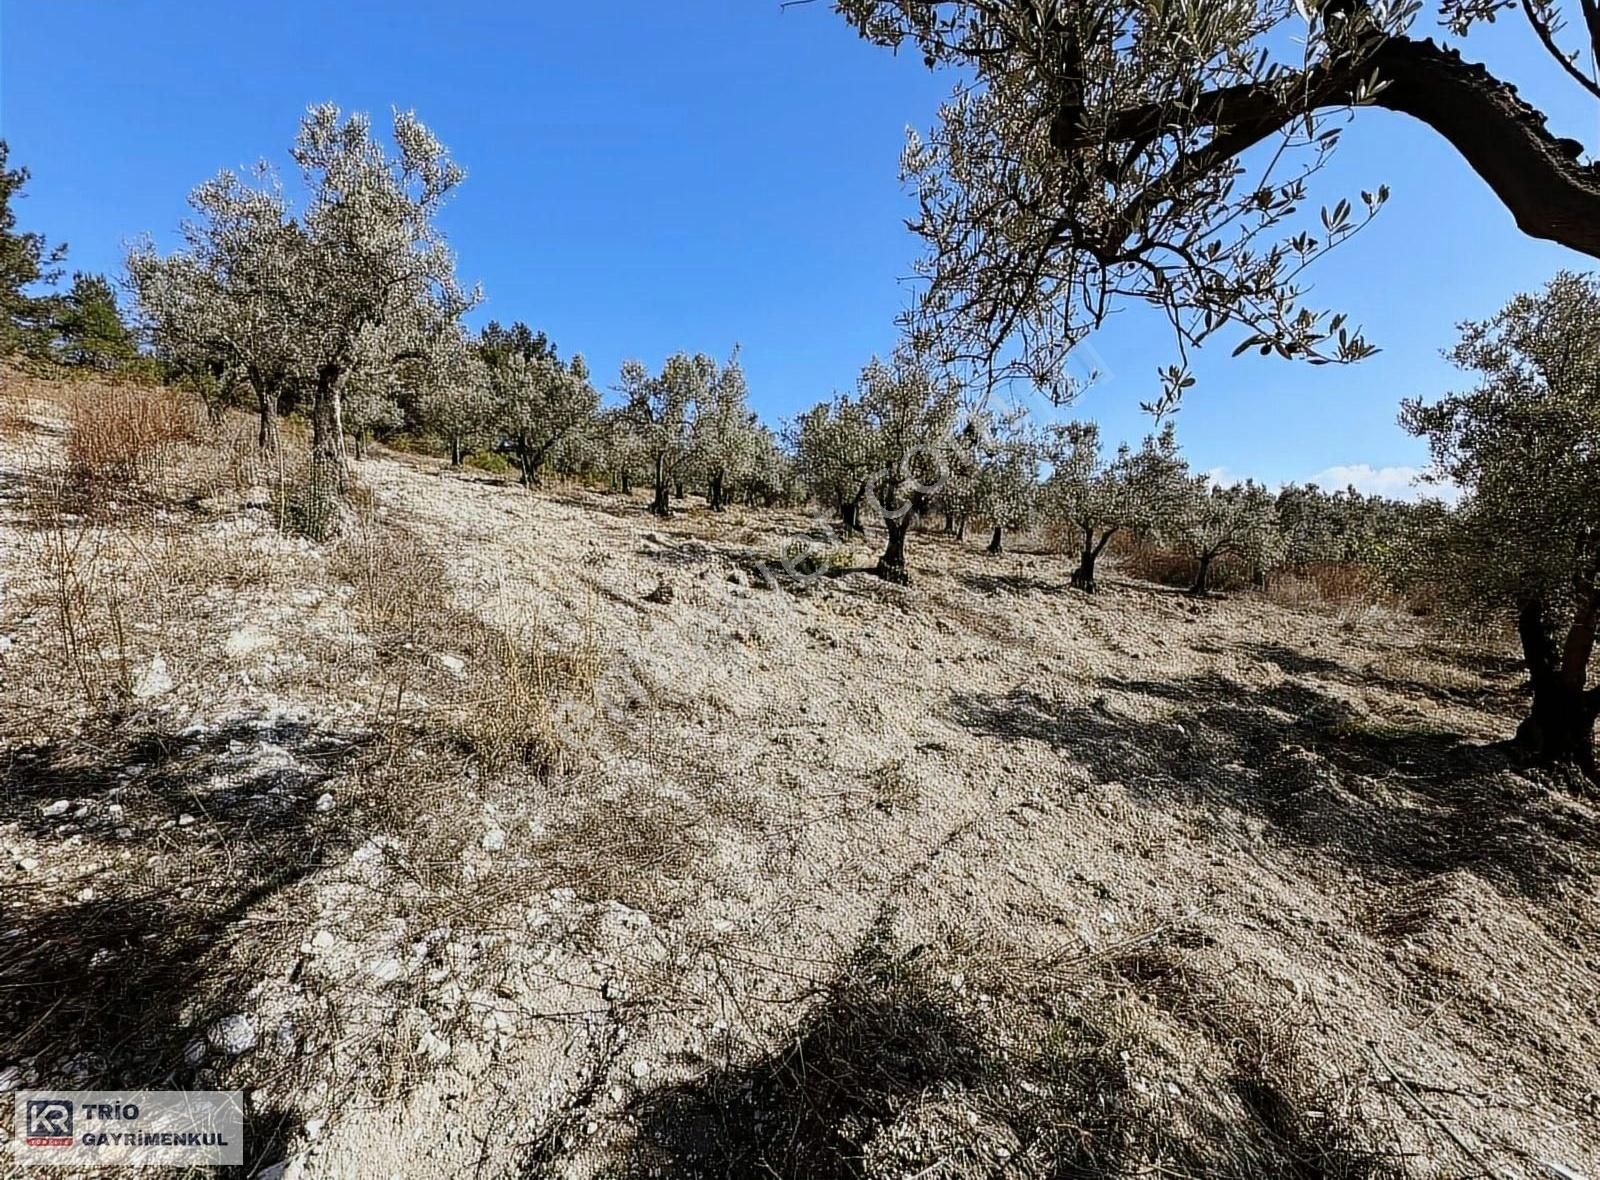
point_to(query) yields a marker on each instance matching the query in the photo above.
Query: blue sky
(645, 177)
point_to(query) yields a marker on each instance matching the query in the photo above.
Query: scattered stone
(494, 840)
(59, 807)
(314, 1127)
(28, 864)
(153, 680)
(185, 820)
(322, 939)
(641, 1069)
(454, 665)
(247, 640)
(233, 1035)
(325, 803)
(661, 595)
(385, 970)
(195, 1051)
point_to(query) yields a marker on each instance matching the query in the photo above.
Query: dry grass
(122, 439)
(88, 615)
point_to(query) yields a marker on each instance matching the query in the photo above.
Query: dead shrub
(1336, 582)
(1167, 567)
(122, 439)
(87, 614)
(531, 699)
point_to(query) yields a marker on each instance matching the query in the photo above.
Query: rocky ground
(520, 834)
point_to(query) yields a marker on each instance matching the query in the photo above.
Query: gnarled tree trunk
(994, 541)
(1083, 576)
(892, 565)
(1561, 721)
(330, 477)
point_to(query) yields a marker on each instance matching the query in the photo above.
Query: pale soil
(979, 877)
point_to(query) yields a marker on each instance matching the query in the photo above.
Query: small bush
(491, 461)
(529, 698)
(1169, 568)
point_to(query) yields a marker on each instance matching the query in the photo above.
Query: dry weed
(122, 439)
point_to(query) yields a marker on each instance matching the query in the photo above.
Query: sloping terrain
(521, 834)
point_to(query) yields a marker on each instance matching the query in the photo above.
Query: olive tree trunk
(1083, 576)
(1560, 724)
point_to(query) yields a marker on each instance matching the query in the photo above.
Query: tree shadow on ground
(896, 1073)
(1500, 689)
(104, 972)
(983, 583)
(877, 1040)
(1402, 802)
(1294, 663)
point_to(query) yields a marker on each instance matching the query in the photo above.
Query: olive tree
(1005, 471)
(540, 404)
(454, 398)
(1097, 499)
(1210, 521)
(909, 409)
(227, 303)
(1164, 151)
(725, 435)
(661, 410)
(1523, 445)
(376, 283)
(835, 457)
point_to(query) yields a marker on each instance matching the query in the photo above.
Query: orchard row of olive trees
(906, 447)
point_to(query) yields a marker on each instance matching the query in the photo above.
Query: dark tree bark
(1560, 724)
(1203, 575)
(330, 477)
(850, 511)
(1536, 175)
(1083, 576)
(715, 495)
(267, 426)
(661, 504)
(961, 527)
(892, 565)
(994, 541)
(361, 444)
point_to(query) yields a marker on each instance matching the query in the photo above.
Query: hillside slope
(521, 834)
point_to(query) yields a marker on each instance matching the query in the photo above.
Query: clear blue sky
(645, 177)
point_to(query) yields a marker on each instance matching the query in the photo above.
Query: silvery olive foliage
(834, 456)
(1094, 499)
(1211, 521)
(540, 404)
(1523, 445)
(1333, 527)
(454, 397)
(725, 436)
(1164, 152)
(378, 281)
(1002, 456)
(359, 281)
(227, 306)
(661, 410)
(1030, 244)
(908, 412)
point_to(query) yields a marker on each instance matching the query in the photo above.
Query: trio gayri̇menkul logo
(49, 1122)
(128, 1128)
